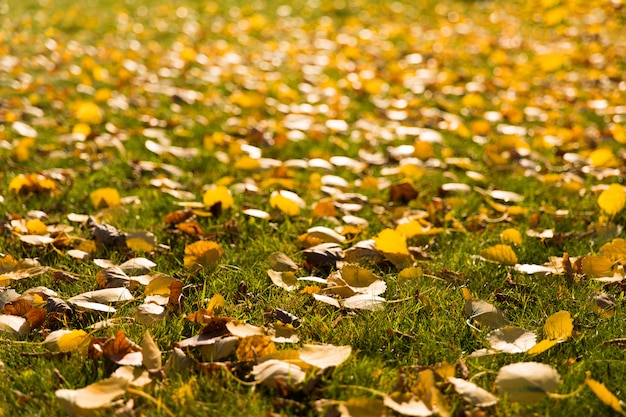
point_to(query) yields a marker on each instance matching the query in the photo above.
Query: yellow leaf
(216, 303)
(554, 16)
(36, 227)
(619, 133)
(612, 200)
(219, 194)
(140, 241)
(615, 250)
(410, 229)
(511, 236)
(22, 149)
(559, 326)
(65, 340)
(597, 266)
(603, 158)
(88, 246)
(82, 129)
(204, 252)
(551, 62)
(88, 112)
(412, 272)
(501, 254)
(159, 285)
(253, 347)
(287, 202)
(247, 163)
(603, 393)
(105, 197)
(391, 241)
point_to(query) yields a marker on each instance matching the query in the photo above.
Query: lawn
(338, 208)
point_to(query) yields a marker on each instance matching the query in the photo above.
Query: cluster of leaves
(381, 159)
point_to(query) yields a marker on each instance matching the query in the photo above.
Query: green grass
(67, 53)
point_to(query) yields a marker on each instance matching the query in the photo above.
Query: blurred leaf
(500, 254)
(473, 394)
(105, 198)
(603, 393)
(203, 253)
(527, 382)
(612, 200)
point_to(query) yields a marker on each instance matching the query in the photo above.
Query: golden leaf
(603, 393)
(511, 236)
(501, 254)
(391, 241)
(542, 346)
(253, 347)
(597, 266)
(612, 200)
(105, 197)
(615, 250)
(65, 340)
(204, 252)
(88, 112)
(287, 202)
(559, 326)
(219, 194)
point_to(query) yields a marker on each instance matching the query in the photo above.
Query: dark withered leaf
(112, 277)
(402, 193)
(106, 234)
(287, 318)
(324, 255)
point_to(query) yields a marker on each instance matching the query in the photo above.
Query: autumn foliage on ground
(337, 208)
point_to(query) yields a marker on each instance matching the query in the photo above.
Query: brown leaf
(191, 228)
(177, 217)
(36, 317)
(176, 291)
(18, 307)
(402, 193)
(215, 326)
(117, 348)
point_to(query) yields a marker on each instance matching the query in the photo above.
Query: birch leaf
(512, 339)
(527, 382)
(500, 254)
(325, 356)
(612, 200)
(273, 372)
(559, 326)
(603, 393)
(92, 397)
(472, 393)
(151, 353)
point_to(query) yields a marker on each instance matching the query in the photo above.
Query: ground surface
(473, 151)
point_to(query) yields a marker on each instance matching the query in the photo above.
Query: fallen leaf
(66, 340)
(203, 253)
(92, 397)
(603, 393)
(612, 200)
(274, 372)
(527, 382)
(324, 356)
(105, 198)
(500, 254)
(472, 393)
